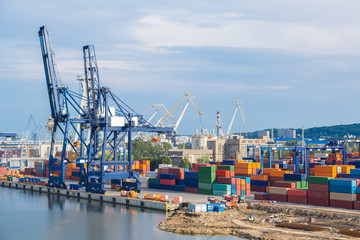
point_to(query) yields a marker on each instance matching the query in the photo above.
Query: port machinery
(302, 151)
(108, 119)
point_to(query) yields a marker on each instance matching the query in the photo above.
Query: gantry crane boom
(50, 73)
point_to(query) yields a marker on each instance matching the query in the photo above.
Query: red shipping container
(232, 174)
(318, 201)
(191, 190)
(248, 192)
(342, 204)
(318, 187)
(285, 184)
(225, 180)
(322, 195)
(277, 197)
(357, 205)
(167, 181)
(196, 165)
(274, 178)
(223, 173)
(297, 193)
(242, 175)
(258, 188)
(358, 196)
(297, 199)
(259, 196)
(162, 170)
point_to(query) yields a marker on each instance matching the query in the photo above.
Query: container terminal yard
(213, 183)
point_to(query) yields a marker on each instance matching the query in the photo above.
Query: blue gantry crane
(109, 119)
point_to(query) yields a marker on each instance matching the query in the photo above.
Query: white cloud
(223, 30)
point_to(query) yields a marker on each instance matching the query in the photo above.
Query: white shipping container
(197, 207)
(152, 174)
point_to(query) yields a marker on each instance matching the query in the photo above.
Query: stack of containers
(318, 190)
(167, 181)
(298, 179)
(179, 174)
(191, 182)
(154, 183)
(299, 196)
(278, 193)
(221, 189)
(243, 169)
(68, 170)
(327, 171)
(56, 169)
(259, 183)
(261, 196)
(40, 169)
(245, 186)
(141, 168)
(206, 176)
(343, 192)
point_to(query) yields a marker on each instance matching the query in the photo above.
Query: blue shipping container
(167, 176)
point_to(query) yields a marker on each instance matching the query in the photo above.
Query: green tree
(181, 146)
(185, 163)
(203, 159)
(165, 159)
(355, 148)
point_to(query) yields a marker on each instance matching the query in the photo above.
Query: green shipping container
(319, 180)
(207, 180)
(205, 191)
(222, 187)
(221, 193)
(207, 186)
(206, 169)
(154, 180)
(206, 174)
(304, 184)
(226, 167)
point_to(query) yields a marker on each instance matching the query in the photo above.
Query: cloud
(223, 30)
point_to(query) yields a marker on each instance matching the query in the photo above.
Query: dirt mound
(268, 222)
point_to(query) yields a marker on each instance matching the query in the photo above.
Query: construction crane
(104, 153)
(238, 107)
(34, 136)
(158, 108)
(190, 99)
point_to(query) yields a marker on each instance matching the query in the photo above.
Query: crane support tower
(109, 119)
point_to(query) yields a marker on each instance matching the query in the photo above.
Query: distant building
(286, 133)
(264, 133)
(177, 155)
(229, 148)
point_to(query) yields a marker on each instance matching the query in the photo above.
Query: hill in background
(335, 132)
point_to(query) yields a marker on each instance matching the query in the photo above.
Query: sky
(292, 64)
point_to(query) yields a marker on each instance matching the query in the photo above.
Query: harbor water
(32, 215)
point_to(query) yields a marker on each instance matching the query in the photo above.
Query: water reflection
(40, 216)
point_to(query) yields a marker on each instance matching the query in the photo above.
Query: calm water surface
(30, 215)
